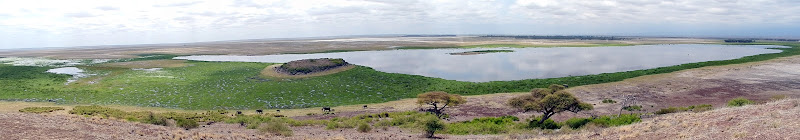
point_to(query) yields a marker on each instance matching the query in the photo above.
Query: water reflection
(76, 73)
(523, 63)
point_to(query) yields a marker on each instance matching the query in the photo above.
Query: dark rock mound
(307, 66)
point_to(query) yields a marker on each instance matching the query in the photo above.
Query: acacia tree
(439, 100)
(549, 101)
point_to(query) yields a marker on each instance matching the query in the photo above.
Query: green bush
(609, 101)
(670, 110)
(276, 128)
(486, 125)
(633, 108)
(576, 123)
(40, 109)
(186, 123)
(624, 119)
(364, 127)
(331, 125)
(702, 108)
(547, 124)
(155, 119)
(739, 102)
(431, 125)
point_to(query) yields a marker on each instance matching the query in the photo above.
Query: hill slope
(774, 120)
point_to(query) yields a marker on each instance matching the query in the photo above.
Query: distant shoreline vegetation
(236, 85)
(480, 52)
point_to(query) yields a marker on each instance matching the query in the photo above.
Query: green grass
(486, 125)
(40, 109)
(236, 85)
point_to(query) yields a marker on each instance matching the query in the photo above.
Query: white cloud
(658, 11)
(291, 18)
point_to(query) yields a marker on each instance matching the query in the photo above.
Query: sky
(66, 23)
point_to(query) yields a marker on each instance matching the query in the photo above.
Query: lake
(522, 63)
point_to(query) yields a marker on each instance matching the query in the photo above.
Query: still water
(76, 73)
(523, 63)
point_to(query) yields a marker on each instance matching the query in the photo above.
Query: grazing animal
(365, 106)
(326, 109)
(278, 110)
(260, 111)
(566, 86)
(239, 112)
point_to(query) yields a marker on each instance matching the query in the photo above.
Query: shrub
(547, 124)
(40, 109)
(624, 119)
(739, 102)
(364, 127)
(431, 125)
(633, 108)
(609, 101)
(276, 128)
(486, 125)
(331, 125)
(155, 119)
(702, 108)
(670, 110)
(576, 123)
(186, 123)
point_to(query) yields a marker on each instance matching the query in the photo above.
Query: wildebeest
(278, 110)
(326, 109)
(365, 106)
(260, 111)
(239, 112)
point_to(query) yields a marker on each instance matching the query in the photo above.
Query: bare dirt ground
(265, 47)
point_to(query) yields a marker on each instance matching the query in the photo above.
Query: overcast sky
(64, 23)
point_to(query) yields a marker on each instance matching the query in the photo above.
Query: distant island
(480, 52)
(308, 66)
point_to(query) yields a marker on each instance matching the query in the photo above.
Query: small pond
(522, 63)
(76, 73)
